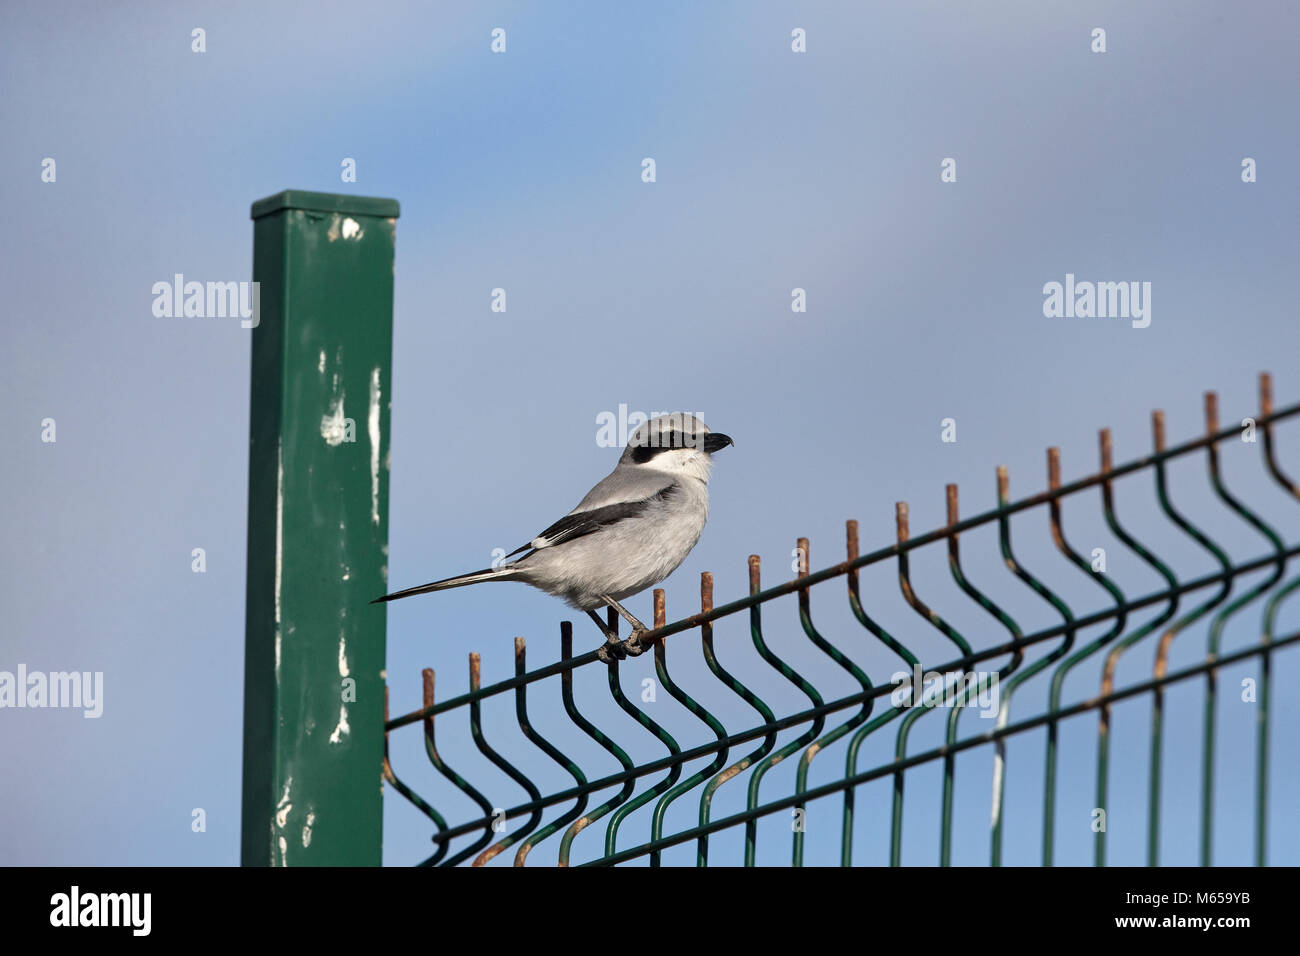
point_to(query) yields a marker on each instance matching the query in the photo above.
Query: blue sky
(774, 171)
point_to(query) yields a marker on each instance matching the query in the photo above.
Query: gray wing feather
(623, 493)
(625, 484)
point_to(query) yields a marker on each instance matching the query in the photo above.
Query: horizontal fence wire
(858, 715)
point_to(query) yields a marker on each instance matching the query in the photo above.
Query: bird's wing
(625, 484)
(616, 498)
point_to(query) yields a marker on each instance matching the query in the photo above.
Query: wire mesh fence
(840, 728)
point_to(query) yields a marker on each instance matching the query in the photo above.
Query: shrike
(629, 533)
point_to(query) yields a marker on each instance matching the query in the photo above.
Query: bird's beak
(716, 441)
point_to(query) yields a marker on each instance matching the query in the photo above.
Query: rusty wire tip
(1158, 429)
(1004, 483)
(755, 563)
(661, 616)
(1211, 412)
(1053, 468)
(427, 675)
(475, 669)
(706, 592)
(1265, 393)
(1106, 449)
(801, 545)
(519, 647)
(851, 538)
(900, 519)
(950, 496)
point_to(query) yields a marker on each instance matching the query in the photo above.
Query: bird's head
(679, 444)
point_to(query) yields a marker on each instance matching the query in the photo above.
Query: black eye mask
(666, 441)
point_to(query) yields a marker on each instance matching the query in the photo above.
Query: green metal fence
(316, 727)
(550, 822)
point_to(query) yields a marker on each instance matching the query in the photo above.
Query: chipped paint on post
(333, 426)
(372, 430)
(317, 530)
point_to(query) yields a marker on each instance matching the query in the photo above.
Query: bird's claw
(633, 644)
(612, 651)
(615, 649)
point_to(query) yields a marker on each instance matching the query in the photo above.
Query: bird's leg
(613, 649)
(624, 613)
(633, 644)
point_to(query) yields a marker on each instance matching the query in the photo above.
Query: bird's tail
(505, 573)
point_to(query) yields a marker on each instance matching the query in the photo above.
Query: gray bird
(629, 533)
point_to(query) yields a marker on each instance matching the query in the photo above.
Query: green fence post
(317, 529)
